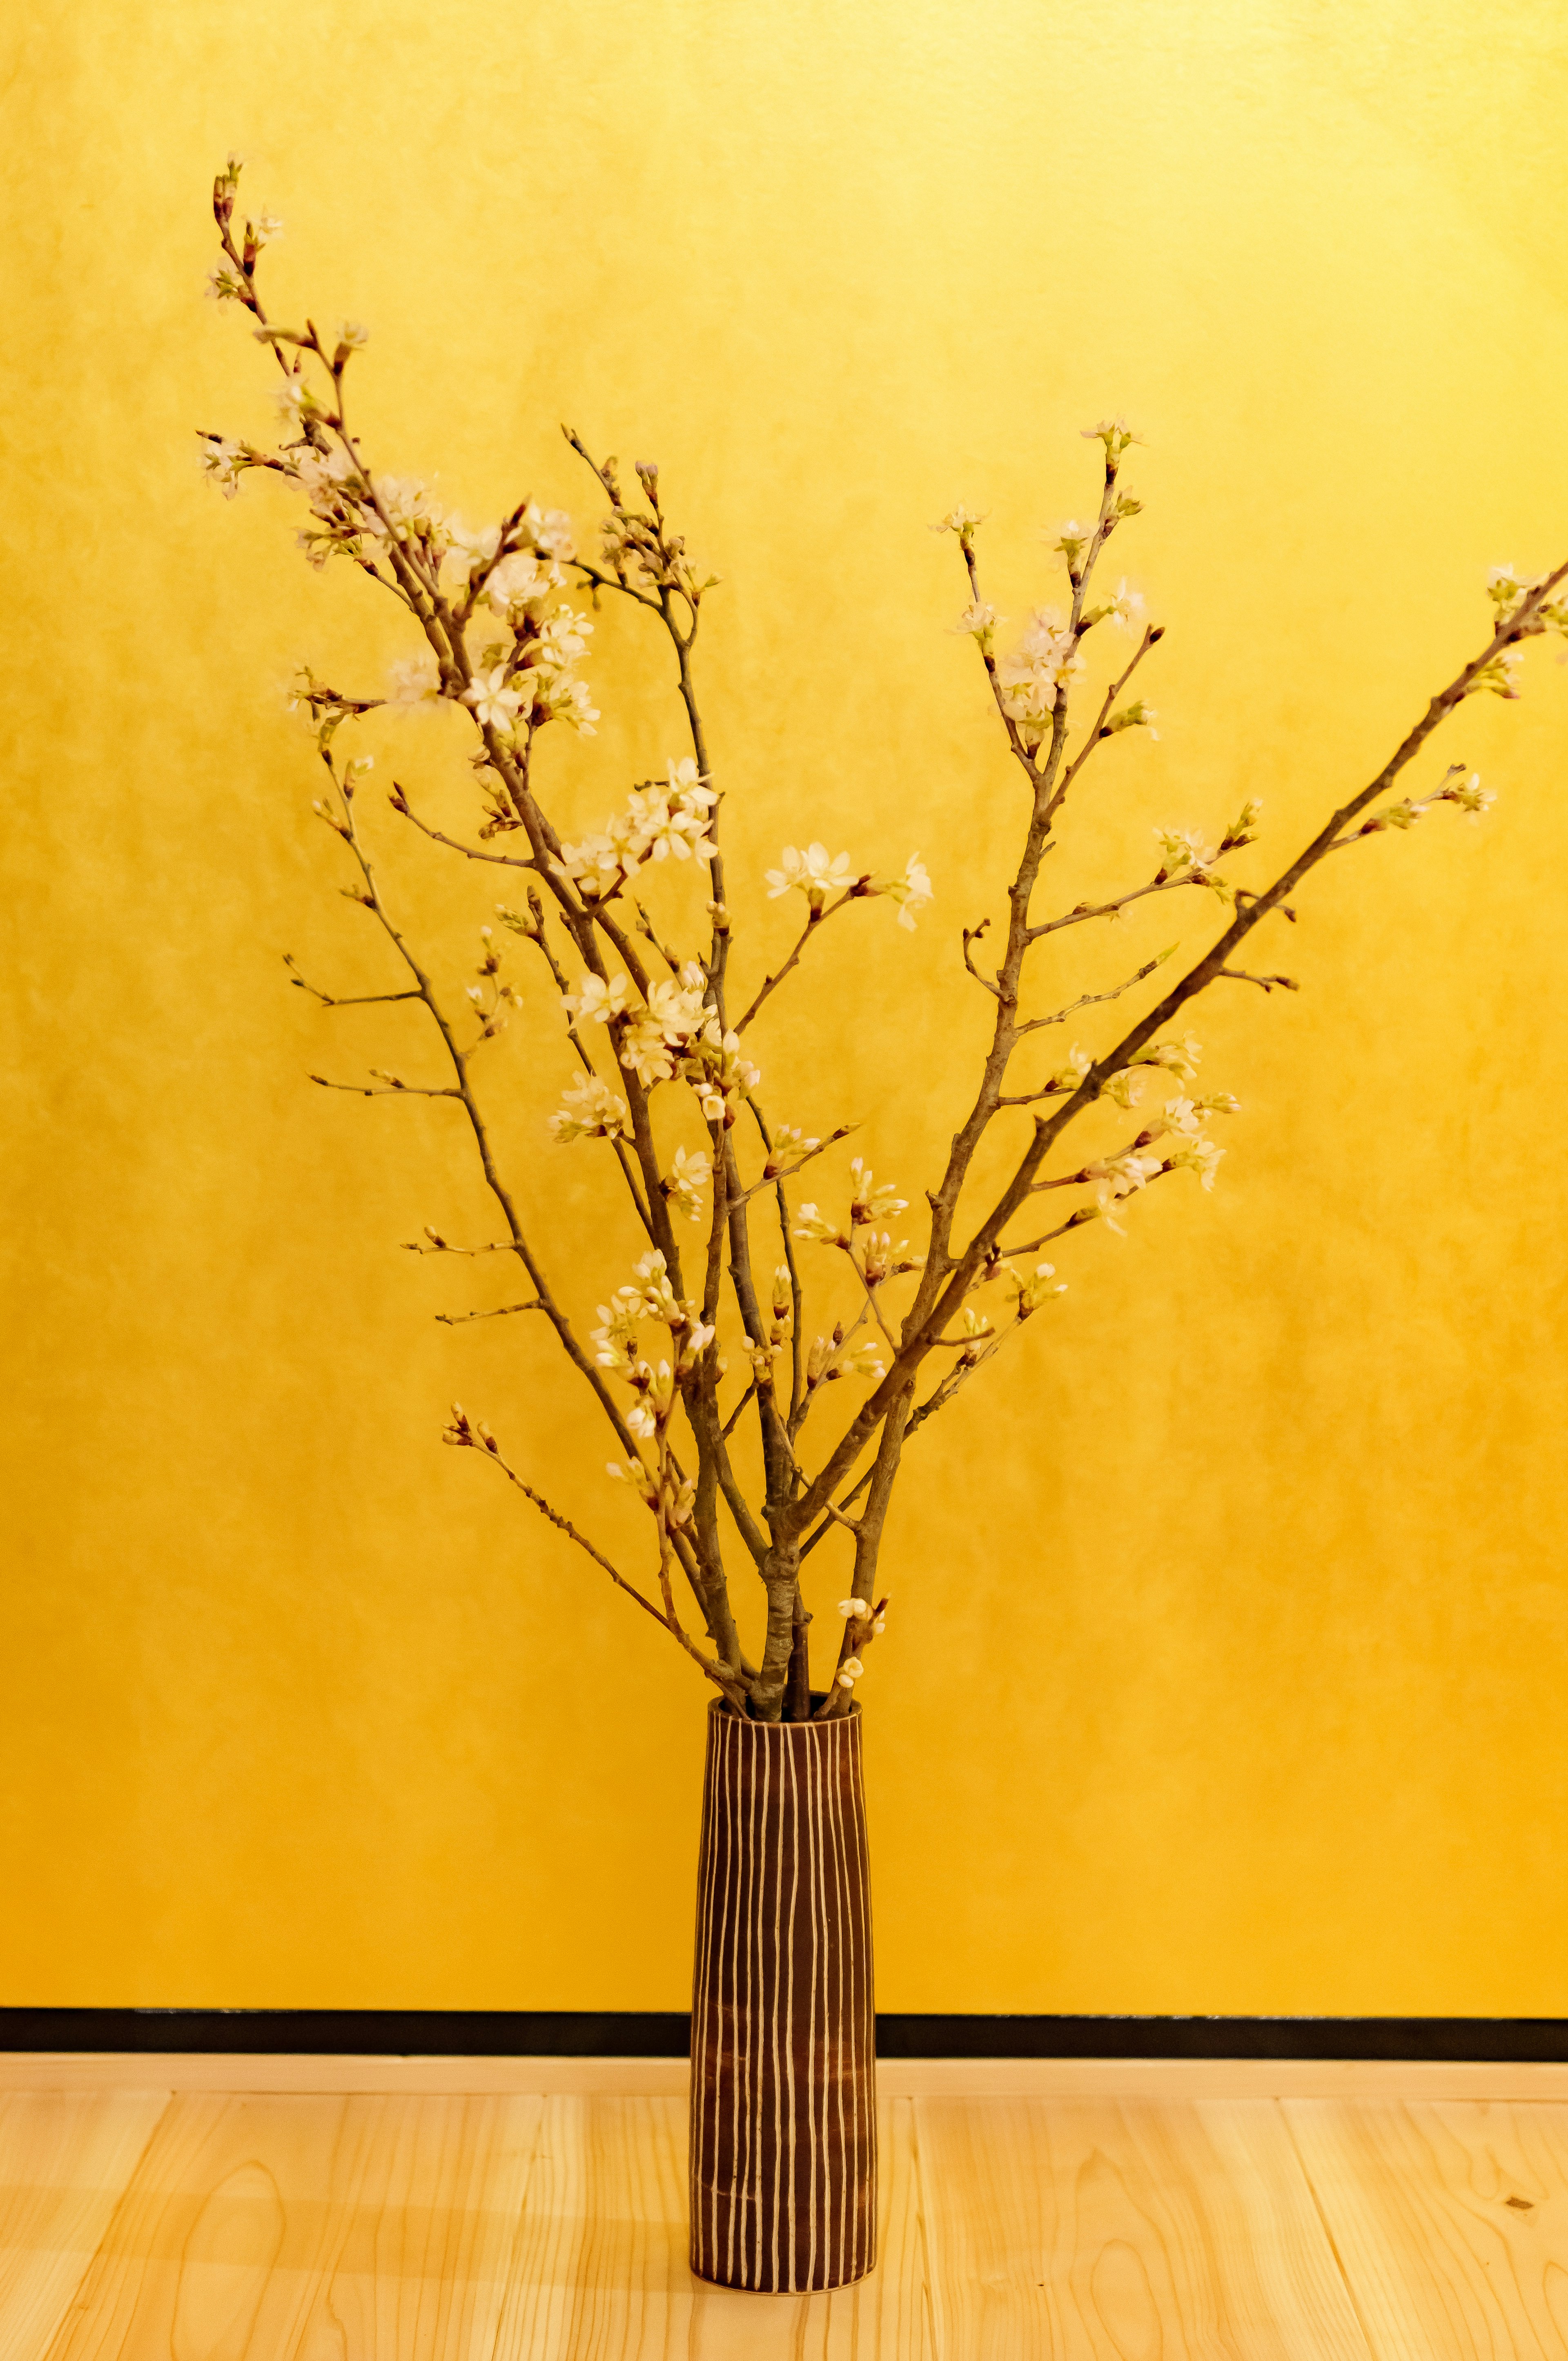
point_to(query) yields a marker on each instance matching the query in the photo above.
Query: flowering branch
(662, 1070)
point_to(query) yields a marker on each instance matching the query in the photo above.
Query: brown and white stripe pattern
(783, 2091)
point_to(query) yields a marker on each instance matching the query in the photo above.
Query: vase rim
(720, 1705)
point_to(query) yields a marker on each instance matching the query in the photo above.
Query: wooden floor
(206, 2226)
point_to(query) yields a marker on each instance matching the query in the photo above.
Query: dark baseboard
(615, 2033)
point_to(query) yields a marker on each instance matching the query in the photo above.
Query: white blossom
(495, 701)
(471, 547)
(591, 1110)
(1180, 1058)
(223, 464)
(412, 680)
(1122, 1089)
(810, 1224)
(1069, 541)
(521, 584)
(811, 873)
(1472, 798)
(1124, 607)
(1043, 663)
(1199, 1156)
(632, 1472)
(1037, 1288)
(910, 887)
(1115, 434)
(961, 520)
(718, 1073)
(978, 621)
(876, 1258)
(868, 1203)
(1183, 848)
(597, 1000)
(689, 1176)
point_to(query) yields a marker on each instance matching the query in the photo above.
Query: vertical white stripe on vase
(710, 2096)
(791, 2113)
(821, 2175)
(699, 1996)
(838, 1905)
(725, 1913)
(863, 2011)
(758, 1765)
(775, 2096)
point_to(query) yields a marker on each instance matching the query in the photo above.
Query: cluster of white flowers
(672, 1016)
(1500, 677)
(1045, 662)
(1472, 798)
(1039, 1288)
(591, 1110)
(535, 681)
(1069, 540)
(1507, 588)
(830, 1359)
(1116, 436)
(689, 1176)
(674, 1031)
(963, 521)
(722, 1078)
(618, 1347)
(679, 1498)
(1124, 607)
(873, 1252)
(810, 872)
(910, 887)
(1119, 1177)
(639, 551)
(1180, 1058)
(1136, 716)
(815, 874)
(662, 820)
(413, 680)
(1199, 1156)
(1183, 849)
(978, 621)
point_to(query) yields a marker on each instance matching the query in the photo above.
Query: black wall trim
(589, 2033)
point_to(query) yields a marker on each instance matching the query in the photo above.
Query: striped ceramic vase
(783, 2088)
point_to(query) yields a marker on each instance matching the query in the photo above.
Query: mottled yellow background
(1231, 1635)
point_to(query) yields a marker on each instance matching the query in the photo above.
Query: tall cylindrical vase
(784, 2088)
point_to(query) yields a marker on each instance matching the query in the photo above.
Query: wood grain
(1124, 2233)
(310, 2229)
(599, 2270)
(399, 2227)
(1450, 2223)
(64, 2162)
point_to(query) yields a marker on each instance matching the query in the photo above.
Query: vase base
(819, 2286)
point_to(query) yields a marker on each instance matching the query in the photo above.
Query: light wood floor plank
(64, 2162)
(1450, 2222)
(599, 2268)
(1087, 2232)
(310, 2229)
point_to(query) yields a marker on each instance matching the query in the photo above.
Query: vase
(784, 2149)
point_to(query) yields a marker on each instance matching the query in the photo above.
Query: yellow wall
(1231, 1630)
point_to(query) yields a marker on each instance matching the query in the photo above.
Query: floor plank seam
(1349, 2283)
